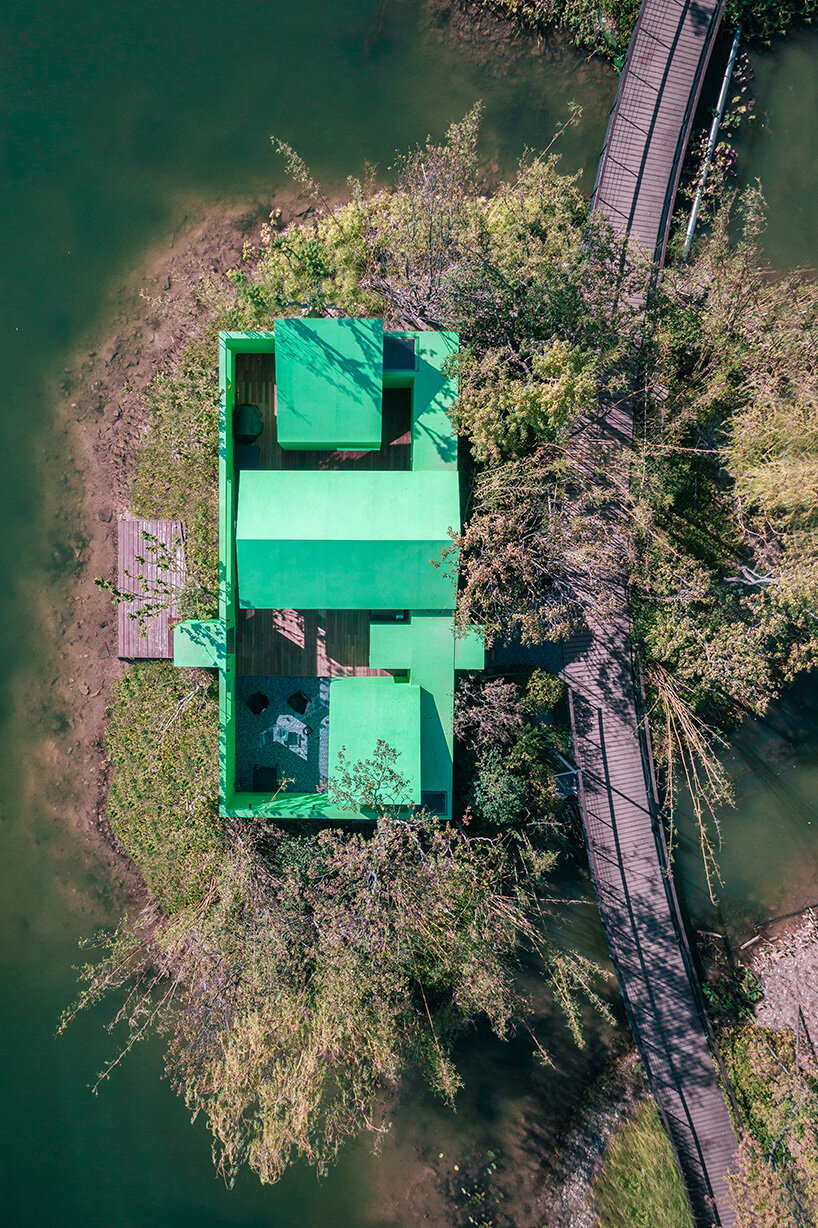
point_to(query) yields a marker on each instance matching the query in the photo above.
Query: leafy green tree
(295, 992)
(504, 417)
(499, 795)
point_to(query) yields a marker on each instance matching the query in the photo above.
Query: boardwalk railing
(636, 185)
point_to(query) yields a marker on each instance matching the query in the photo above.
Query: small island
(470, 522)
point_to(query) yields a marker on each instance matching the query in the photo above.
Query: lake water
(781, 148)
(115, 123)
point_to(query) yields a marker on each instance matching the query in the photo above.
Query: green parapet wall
(434, 391)
(427, 647)
(230, 344)
(470, 649)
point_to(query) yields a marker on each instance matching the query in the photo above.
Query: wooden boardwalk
(157, 642)
(636, 185)
(650, 122)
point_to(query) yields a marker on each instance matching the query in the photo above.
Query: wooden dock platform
(154, 641)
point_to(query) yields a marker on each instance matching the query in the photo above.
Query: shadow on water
(769, 855)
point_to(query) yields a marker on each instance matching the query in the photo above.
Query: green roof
(330, 539)
(363, 711)
(329, 384)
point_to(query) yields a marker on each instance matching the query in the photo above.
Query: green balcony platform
(199, 643)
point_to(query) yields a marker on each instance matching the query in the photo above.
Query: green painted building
(339, 493)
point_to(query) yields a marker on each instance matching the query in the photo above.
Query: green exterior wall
(433, 448)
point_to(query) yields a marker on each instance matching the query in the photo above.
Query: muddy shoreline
(100, 409)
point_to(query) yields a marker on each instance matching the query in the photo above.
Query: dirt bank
(787, 966)
(101, 413)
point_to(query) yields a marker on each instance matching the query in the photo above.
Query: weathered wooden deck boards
(131, 545)
(636, 185)
(651, 118)
(304, 643)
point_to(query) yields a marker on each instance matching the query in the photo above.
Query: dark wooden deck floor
(636, 185)
(303, 643)
(255, 383)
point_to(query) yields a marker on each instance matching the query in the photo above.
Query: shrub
(499, 794)
(487, 712)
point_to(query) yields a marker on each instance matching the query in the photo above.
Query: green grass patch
(163, 802)
(176, 472)
(639, 1185)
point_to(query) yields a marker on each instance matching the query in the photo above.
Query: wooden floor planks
(149, 638)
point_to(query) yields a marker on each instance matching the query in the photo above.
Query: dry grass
(639, 1185)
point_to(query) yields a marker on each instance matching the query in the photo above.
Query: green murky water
(781, 148)
(115, 122)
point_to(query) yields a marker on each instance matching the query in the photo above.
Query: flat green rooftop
(331, 539)
(329, 384)
(363, 711)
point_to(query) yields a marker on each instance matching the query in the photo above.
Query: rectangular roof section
(364, 711)
(329, 384)
(329, 539)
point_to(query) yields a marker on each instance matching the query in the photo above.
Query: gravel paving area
(788, 968)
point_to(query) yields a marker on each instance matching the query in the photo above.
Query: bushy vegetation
(509, 742)
(733, 996)
(299, 976)
(639, 1184)
(726, 553)
(607, 27)
(162, 744)
(763, 20)
(776, 1087)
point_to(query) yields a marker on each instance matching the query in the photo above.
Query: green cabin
(339, 493)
